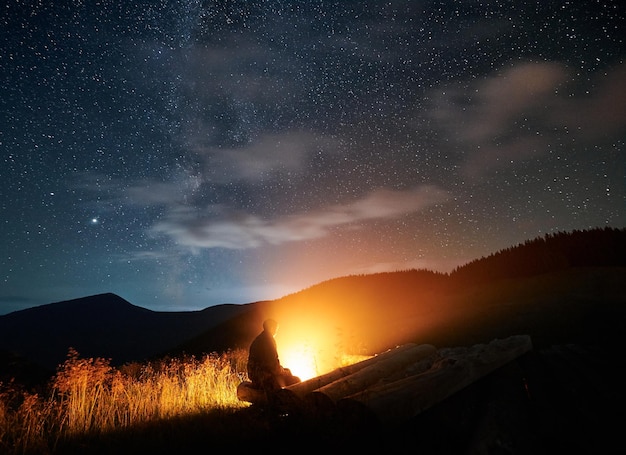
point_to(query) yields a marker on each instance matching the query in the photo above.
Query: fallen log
(326, 396)
(294, 394)
(246, 392)
(396, 401)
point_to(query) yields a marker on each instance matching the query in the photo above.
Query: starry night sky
(189, 153)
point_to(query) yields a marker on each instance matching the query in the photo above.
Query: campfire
(310, 347)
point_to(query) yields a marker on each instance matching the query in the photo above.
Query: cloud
(147, 193)
(601, 113)
(158, 256)
(484, 118)
(512, 116)
(240, 68)
(265, 158)
(518, 91)
(243, 231)
(492, 157)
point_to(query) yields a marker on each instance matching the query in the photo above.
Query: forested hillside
(552, 287)
(588, 248)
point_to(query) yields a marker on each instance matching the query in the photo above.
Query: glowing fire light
(300, 359)
(305, 363)
(311, 344)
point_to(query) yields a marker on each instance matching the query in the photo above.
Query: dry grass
(88, 396)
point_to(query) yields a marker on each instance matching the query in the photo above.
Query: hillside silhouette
(556, 288)
(551, 253)
(103, 325)
(565, 290)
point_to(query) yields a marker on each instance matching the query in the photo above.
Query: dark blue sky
(184, 154)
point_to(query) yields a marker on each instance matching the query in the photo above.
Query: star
(247, 150)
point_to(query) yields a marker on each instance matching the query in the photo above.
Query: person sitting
(264, 368)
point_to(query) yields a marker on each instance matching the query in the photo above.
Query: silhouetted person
(264, 369)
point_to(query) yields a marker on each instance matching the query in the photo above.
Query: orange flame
(301, 360)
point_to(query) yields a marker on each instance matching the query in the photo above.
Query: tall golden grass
(89, 396)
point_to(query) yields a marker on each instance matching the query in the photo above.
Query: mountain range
(105, 326)
(558, 288)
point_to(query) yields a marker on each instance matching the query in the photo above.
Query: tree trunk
(295, 393)
(372, 374)
(245, 392)
(405, 398)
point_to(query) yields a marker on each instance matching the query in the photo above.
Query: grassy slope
(564, 395)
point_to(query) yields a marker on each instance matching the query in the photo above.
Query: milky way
(185, 154)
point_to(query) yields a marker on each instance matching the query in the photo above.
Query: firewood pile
(397, 384)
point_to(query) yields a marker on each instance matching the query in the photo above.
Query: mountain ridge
(580, 271)
(103, 325)
(553, 308)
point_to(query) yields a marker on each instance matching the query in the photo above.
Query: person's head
(270, 326)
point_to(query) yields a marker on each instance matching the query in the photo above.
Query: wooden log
(396, 401)
(371, 374)
(295, 393)
(246, 392)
